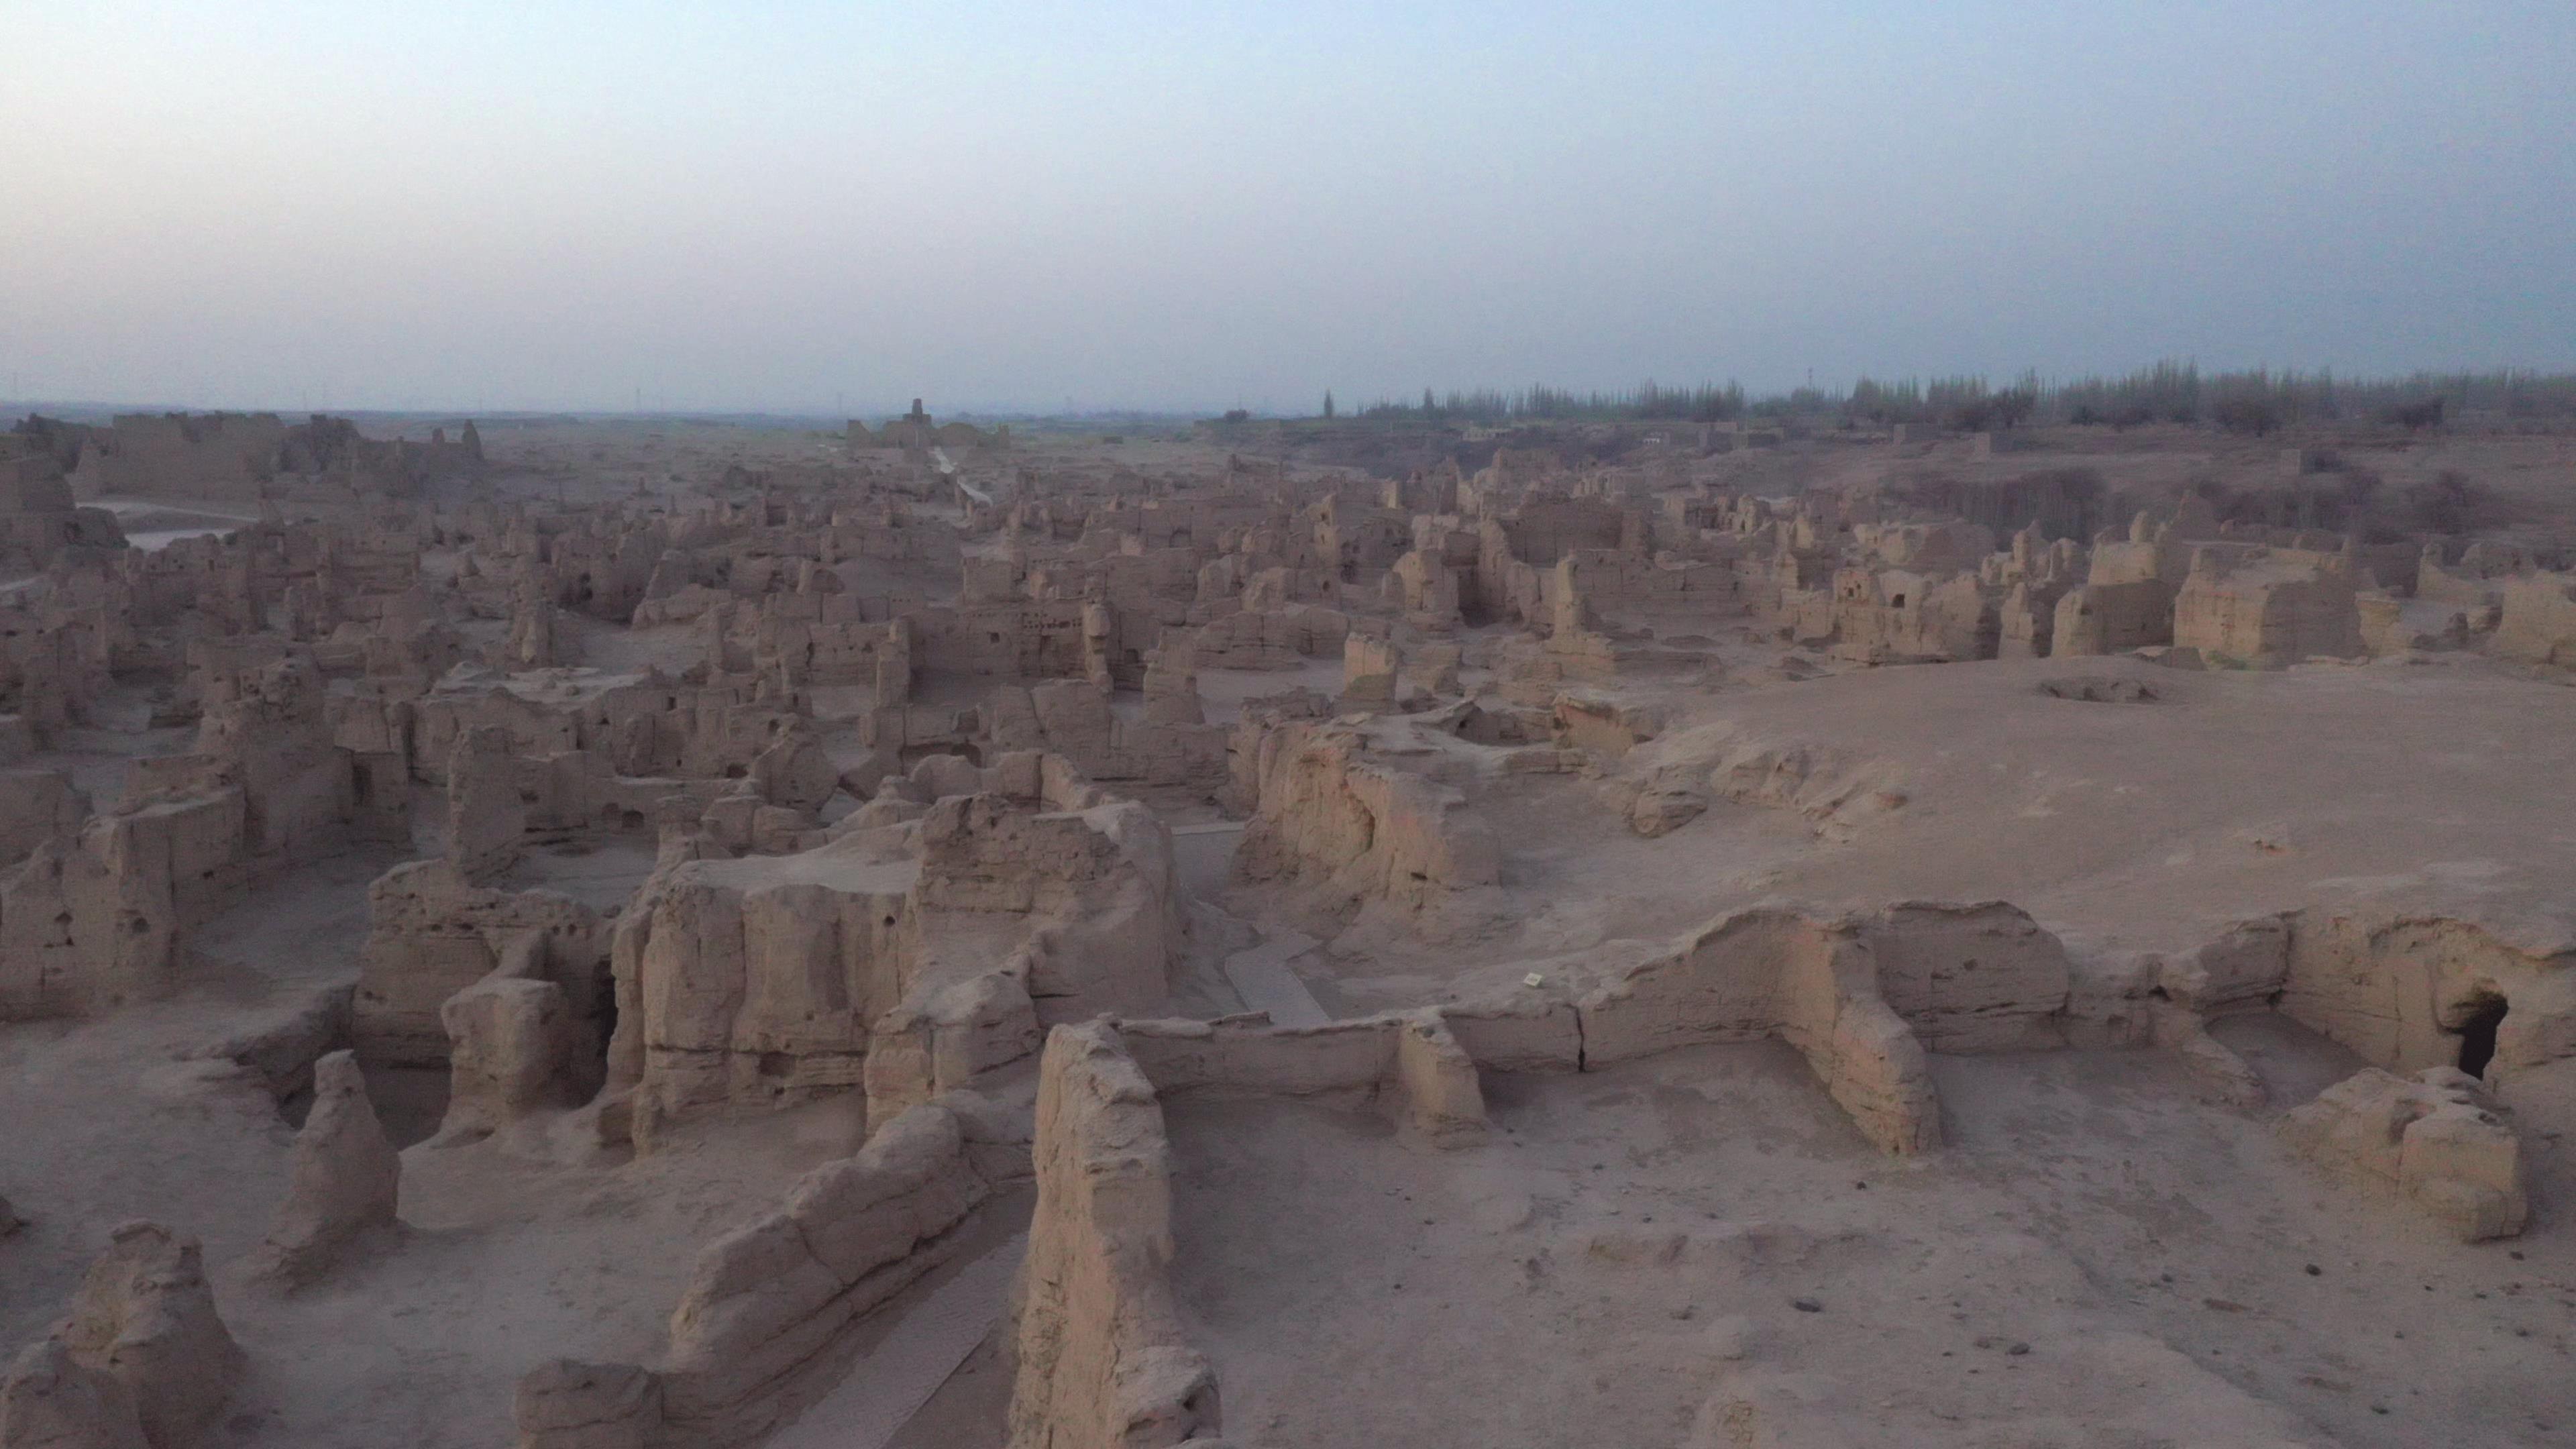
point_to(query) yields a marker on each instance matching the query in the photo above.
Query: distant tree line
(1708, 402)
(2251, 402)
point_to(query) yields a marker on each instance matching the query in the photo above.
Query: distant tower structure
(915, 430)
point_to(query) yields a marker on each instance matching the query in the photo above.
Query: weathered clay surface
(903, 965)
(1357, 831)
(766, 1300)
(344, 1181)
(1099, 1357)
(142, 1358)
(432, 934)
(2433, 1139)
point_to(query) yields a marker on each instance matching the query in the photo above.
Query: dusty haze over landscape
(1013, 727)
(815, 207)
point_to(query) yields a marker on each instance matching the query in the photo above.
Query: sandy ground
(501, 1265)
(1636, 1240)
(2451, 785)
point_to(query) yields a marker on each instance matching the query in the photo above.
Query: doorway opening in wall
(2478, 1025)
(603, 993)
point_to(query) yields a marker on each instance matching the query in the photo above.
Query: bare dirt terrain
(2095, 1259)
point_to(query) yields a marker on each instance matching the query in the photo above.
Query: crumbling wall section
(2405, 991)
(2539, 621)
(93, 922)
(1100, 1360)
(1811, 982)
(1328, 817)
(1409, 1065)
(142, 1361)
(2112, 618)
(767, 1303)
(1977, 977)
(432, 934)
(1101, 879)
(900, 960)
(1073, 718)
(737, 986)
(2267, 607)
(2433, 1139)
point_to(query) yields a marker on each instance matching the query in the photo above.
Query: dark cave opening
(2478, 1034)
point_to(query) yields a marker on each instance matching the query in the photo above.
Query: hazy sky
(811, 207)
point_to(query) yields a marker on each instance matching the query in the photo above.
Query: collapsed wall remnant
(94, 920)
(1752, 976)
(1357, 831)
(763, 1325)
(37, 806)
(432, 934)
(1860, 996)
(2405, 991)
(51, 1400)
(2266, 607)
(757, 980)
(142, 1359)
(516, 1047)
(1408, 1065)
(765, 1303)
(485, 818)
(344, 1180)
(903, 959)
(568, 1404)
(2538, 624)
(2112, 618)
(2432, 1138)
(1073, 718)
(40, 523)
(1835, 793)
(1099, 1359)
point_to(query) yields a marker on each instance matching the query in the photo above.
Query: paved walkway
(885, 1389)
(1262, 977)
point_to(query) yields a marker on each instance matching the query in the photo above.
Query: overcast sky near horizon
(810, 207)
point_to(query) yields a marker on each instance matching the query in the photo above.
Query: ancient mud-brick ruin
(937, 934)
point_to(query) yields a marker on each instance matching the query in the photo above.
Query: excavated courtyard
(2094, 1258)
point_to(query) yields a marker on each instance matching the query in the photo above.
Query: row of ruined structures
(239, 457)
(1876, 591)
(334, 669)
